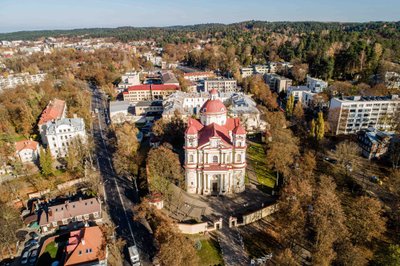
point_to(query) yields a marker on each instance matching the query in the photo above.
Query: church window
(239, 158)
(215, 159)
(191, 158)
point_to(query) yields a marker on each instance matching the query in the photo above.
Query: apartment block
(148, 92)
(221, 85)
(277, 83)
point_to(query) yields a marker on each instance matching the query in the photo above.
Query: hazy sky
(16, 15)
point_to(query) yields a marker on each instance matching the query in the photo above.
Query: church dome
(213, 107)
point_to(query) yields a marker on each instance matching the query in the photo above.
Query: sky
(17, 15)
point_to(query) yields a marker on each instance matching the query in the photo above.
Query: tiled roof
(26, 144)
(84, 246)
(214, 130)
(67, 210)
(154, 87)
(54, 110)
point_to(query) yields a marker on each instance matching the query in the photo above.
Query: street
(120, 195)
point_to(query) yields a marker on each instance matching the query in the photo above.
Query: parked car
(30, 243)
(34, 235)
(25, 256)
(33, 256)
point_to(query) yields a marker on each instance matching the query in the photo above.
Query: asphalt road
(120, 193)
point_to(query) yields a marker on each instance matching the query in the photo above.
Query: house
(168, 78)
(27, 151)
(277, 83)
(349, 115)
(56, 109)
(121, 111)
(246, 72)
(129, 79)
(374, 143)
(148, 92)
(60, 134)
(316, 85)
(221, 85)
(86, 247)
(82, 210)
(215, 151)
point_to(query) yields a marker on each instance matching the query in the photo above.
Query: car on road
(30, 243)
(25, 256)
(330, 160)
(134, 255)
(33, 255)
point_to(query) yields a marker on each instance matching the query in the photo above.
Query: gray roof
(119, 106)
(77, 123)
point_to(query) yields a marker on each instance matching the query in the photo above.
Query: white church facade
(215, 151)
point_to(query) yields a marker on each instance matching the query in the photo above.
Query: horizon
(26, 15)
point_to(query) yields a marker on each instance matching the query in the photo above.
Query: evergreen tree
(290, 106)
(46, 162)
(320, 127)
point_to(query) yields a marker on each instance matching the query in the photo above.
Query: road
(120, 193)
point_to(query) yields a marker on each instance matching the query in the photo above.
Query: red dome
(213, 107)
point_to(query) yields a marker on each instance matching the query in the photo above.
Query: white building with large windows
(60, 134)
(215, 151)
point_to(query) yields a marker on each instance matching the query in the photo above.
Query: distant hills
(137, 33)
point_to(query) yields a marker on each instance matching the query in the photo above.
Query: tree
(299, 72)
(290, 106)
(285, 258)
(10, 222)
(46, 162)
(320, 127)
(298, 112)
(163, 168)
(327, 220)
(389, 257)
(312, 129)
(365, 220)
(346, 153)
(78, 153)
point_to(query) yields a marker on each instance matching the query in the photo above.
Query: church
(215, 151)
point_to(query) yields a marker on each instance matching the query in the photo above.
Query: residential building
(148, 92)
(215, 151)
(374, 143)
(121, 111)
(56, 109)
(13, 81)
(221, 85)
(168, 78)
(27, 151)
(303, 94)
(86, 246)
(82, 210)
(349, 115)
(260, 69)
(129, 79)
(60, 134)
(277, 83)
(198, 76)
(146, 107)
(316, 85)
(246, 72)
(274, 67)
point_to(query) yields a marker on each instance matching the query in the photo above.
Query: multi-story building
(277, 83)
(13, 81)
(374, 143)
(261, 69)
(148, 92)
(221, 85)
(60, 134)
(146, 107)
(198, 76)
(316, 85)
(168, 78)
(56, 109)
(246, 72)
(129, 79)
(215, 151)
(349, 115)
(27, 151)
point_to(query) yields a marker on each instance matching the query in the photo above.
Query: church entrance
(215, 187)
(215, 184)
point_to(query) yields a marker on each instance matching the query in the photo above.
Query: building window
(215, 159)
(239, 158)
(191, 158)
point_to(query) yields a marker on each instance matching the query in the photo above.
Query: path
(231, 245)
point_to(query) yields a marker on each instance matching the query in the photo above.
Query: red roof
(213, 107)
(239, 130)
(154, 87)
(214, 130)
(54, 110)
(26, 144)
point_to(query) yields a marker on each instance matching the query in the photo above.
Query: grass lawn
(52, 249)
(256, 157)
(210, 252)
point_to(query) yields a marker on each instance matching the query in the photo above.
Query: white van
(134, 255)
